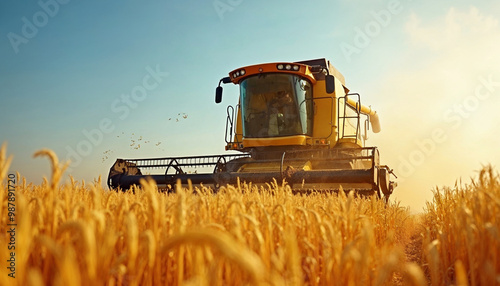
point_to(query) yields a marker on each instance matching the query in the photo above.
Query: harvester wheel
(178, 171)
(220, 167)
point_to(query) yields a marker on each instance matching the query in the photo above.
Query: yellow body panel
(297, 140)
(326, 108)
(238, 136)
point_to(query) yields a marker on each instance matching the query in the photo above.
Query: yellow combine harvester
(295, 121)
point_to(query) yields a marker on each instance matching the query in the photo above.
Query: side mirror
(218, 94)
(218, 90)
(330, 83)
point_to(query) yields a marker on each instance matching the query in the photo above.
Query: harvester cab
(294, 121)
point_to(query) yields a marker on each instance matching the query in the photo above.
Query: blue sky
(98, 78)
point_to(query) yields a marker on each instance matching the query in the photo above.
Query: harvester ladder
(231, 133)
(343, 116)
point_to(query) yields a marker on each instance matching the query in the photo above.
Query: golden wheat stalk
(227, 246)
(57, 170)
(4, 162)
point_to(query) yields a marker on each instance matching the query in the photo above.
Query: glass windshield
(276, 105)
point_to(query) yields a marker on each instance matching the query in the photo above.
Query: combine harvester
(294, 122)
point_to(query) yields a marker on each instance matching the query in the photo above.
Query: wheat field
(78, 233)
